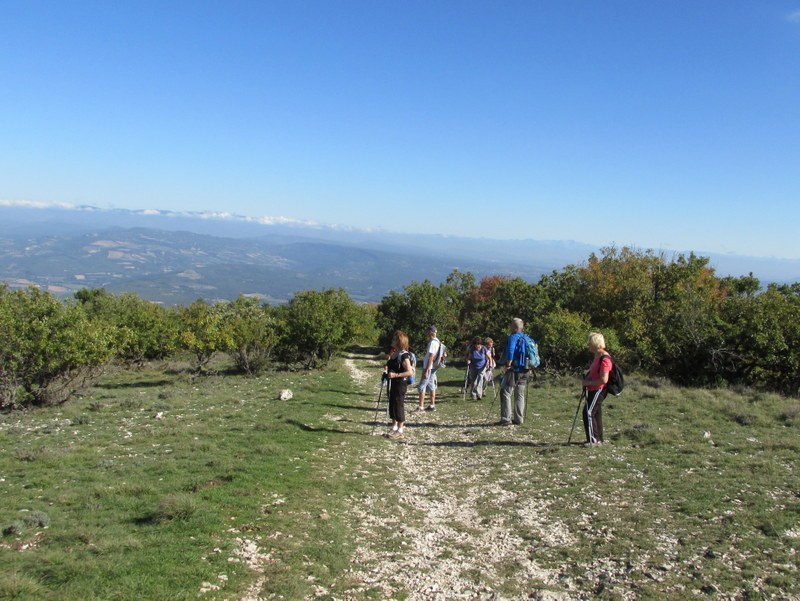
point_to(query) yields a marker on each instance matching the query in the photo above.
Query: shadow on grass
(367, 351)
(437, 425)
(353, 407)
(150, 519)
(137, 384)
(346, 392)
(495, 443)
(307, 428)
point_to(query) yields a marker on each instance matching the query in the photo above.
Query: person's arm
(605, 369)
(407, 370)
(508, 354)
(429, 363)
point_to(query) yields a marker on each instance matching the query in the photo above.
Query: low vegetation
(174, 472)
(674, 319)
(164, 484)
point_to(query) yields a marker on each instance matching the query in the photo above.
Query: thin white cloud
(35, 204)
(794, 17)
(217, 215)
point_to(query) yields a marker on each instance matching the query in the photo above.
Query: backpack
(616, 380)
(413, 360)
(526, 353)
(438, 360)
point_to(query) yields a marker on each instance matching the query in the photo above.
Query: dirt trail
(448, 529)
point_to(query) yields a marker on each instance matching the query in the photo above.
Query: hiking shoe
(419, 408)
(431, 407)
(503, 423)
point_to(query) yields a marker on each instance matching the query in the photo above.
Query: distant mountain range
(176, 258)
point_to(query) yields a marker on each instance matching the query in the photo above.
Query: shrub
(36, 519)
(50, 350)
(179, 506)
(317, 324)
(202, 331)
(14, 529)
(253, 334)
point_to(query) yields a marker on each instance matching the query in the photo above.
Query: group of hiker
(519, 358)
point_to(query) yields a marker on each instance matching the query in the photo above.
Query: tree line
(667, 317)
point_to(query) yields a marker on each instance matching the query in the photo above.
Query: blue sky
(666, 125)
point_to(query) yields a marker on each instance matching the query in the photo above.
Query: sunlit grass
(155, 484)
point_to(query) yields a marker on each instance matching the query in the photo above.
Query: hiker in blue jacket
(514, 379)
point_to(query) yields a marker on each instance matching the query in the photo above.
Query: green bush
(253, 334)
(317, 324)
(50, 349)
(202, 331)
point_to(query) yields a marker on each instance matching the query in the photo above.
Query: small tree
(50, 349)
(253, 332)
(143, 331)
(203, 332)
(562, 342)
(320, 323)
(417, 307)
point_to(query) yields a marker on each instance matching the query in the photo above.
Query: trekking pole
(525, 401)
(574, 421)
(466, 379)
(496, 391)
(377, 406)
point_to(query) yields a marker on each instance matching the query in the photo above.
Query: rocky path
(447, 527)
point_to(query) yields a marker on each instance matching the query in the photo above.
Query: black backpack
(616, 379)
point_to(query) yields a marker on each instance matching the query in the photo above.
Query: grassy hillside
(161, 485)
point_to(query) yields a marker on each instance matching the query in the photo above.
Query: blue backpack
(526, 353)
(413, 359)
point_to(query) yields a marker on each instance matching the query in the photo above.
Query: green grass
(152, 484)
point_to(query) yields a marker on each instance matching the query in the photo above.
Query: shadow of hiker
(353, 407)
(545, 446)
(307, 428)
(413, 424)
(137, 384)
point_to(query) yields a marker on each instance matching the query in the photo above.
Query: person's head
(476, 342)
(489, 342)
(400, 340)
(596, 342)
(431, 332)
(516, 325)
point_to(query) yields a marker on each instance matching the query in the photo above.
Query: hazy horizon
(312, 226)
(664, 126)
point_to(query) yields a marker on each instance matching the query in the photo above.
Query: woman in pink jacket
(595, 384)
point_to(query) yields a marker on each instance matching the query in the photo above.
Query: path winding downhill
(448, 528)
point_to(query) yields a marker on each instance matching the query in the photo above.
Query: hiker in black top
(398, 369)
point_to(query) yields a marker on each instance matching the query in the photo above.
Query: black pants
(397, 399)
(593, 415)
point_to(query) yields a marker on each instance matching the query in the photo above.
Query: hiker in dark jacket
(594, 383)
